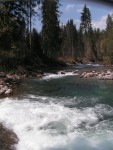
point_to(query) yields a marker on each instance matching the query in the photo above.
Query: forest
(23, 45)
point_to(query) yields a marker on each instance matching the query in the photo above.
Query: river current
(61, 112)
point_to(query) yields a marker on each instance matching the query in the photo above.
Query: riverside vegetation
(26, 48)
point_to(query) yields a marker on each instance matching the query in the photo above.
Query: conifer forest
(22, 44)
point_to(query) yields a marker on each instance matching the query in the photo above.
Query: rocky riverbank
(101, 73)
(9, 81)
(8, 139)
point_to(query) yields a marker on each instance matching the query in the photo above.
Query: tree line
(87, 43)
(21, 44)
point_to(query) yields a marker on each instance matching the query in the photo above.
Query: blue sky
(71, 9)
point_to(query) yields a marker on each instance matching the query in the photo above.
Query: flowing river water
(61, 112)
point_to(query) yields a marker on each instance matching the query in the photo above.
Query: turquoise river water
(61, 112)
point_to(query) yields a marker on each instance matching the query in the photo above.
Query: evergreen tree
(85, 24)
(80, 44)
(50, 27)
(108, 40)
(70, 40)
(86, 28)
(13, 29)
(109, 23)
(11, 18)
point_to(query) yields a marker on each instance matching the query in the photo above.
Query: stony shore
(100, 73)
(8, 139)
(8, 81)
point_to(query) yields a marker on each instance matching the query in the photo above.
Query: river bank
(100, 72)
(9, 81)
(90, 71)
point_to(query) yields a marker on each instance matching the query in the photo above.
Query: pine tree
(13, 29)
(109, 23)
(50, 27)
(85, 20)
(70, 40)
(109, 40)
(11, 18)
(86, 28)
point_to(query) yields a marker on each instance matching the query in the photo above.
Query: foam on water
(52, 126)
(49, 76)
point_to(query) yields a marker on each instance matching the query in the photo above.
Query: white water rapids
(49, 126)
(59, 123)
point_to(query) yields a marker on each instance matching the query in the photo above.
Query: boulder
(8, 91)
(1, 82)
(89, 75)
(17, 77)
(62, 72)
(108, 72)
(8, 76)
(109, 77)
(3, 90)
(84, 73)
(100, 76)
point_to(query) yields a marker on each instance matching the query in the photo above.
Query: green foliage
(69, 40)
(19, 44)
(106, 43)
(50, 28)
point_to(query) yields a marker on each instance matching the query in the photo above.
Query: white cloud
(100, 23)
(69, 7)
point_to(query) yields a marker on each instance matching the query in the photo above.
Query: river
(61, 112)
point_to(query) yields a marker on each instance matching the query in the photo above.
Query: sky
(71, 9)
